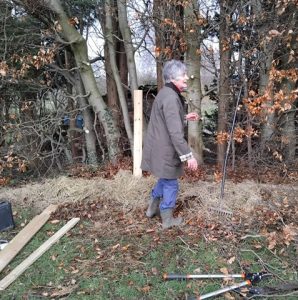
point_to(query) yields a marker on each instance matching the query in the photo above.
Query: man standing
(165, 148)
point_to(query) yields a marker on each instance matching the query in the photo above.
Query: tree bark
(112, 99)
(266, 59)
(112, 55)
(79, 48)
(158, 14)
(224, 97)
(194, 91)
(288, 85)
(89, 131)
(129, 49)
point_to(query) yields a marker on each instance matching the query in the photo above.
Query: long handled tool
(254, 277)
(223, 290)
(220, 211)
(201, 276)
(249, 279)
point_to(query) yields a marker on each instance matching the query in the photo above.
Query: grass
(101, 264)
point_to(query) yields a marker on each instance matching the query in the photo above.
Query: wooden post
(138, 132)
(15, 273)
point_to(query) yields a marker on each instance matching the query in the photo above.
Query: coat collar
(172, 86)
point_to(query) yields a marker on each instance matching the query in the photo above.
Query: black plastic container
(6, 217)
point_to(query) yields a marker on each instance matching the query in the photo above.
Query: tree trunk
(244, 80)
(112, 56)
(158, 14)
(224, 82)
(266, 59)
(288, 85)
(79, 48)
(129, 49)
(194, 92)
(169, 39)
(289, 136)
(71, 112)
(265, 66)
(89, 130)
(112, 94)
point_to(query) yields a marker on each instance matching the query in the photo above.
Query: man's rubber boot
(153, 208)
(168, 220)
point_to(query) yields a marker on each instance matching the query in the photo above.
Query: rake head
(221, 212)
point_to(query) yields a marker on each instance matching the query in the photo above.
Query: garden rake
(220, 211)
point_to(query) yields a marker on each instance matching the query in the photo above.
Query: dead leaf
(289, 234)
(75, 271)
(116, 246)
(55, 221)
(198, 270)
(229, 296)
(272, 240)
(125, 248)
(257, 246)
(274, 33)
(154, 271)
(146, 289)
(63, 292)
(231, 260)
(224, 270)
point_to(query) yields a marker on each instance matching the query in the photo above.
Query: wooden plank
(15, 273)
(138, 132)
(24, 236)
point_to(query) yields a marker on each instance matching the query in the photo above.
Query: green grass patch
(88, 264)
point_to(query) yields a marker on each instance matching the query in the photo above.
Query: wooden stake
(24, 236)
(138, 132)
(15, 273)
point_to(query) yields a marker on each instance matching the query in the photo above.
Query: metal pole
(201, 276)
(224, 290)
(224, 169)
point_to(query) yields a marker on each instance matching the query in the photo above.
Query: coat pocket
(171, 157)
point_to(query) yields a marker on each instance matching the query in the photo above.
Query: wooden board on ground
(15, 273)
(24, 236)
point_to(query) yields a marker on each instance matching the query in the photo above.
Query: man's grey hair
(173, 70)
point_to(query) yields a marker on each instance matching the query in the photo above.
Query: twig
(265, 265)
(275, 255)
(188, 248)
(251, 236)
(97, 137)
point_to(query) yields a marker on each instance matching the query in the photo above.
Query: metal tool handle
(224, 168)
(223, 290)
(201, 276)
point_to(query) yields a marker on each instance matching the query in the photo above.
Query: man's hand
(192, 164)
(193, 116)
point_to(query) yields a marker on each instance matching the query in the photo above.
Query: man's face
(181, 82)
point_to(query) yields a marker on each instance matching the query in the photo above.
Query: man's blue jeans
(167, 189)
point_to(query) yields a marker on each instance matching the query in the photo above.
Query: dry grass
(132, 192)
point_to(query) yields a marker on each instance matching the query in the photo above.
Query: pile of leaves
(273, 221)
